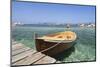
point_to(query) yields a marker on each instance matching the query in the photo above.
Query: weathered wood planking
(30, 59)
(14, 42)
(22, 55)
(20, 51)
(17, 46)
(46, 60)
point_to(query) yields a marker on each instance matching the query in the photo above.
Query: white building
(82, 25)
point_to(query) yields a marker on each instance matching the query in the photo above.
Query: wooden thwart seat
(67, 35)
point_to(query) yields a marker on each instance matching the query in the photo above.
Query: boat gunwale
(50, 39)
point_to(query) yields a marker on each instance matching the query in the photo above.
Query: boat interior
(66, 35)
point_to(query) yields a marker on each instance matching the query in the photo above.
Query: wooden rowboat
(62, 40)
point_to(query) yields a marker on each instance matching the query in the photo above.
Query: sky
(32, 13)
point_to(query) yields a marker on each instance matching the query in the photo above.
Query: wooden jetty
(22, 55)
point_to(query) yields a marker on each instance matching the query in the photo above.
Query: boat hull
(42, 45)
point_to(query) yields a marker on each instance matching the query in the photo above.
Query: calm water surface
(83, 50)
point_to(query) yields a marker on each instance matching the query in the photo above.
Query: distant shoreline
(51, 26)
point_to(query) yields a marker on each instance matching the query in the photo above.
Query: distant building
(91, 25)
(82, 25)
(16, 23)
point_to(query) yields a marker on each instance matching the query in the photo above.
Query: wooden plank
(17, 46)
(14, 43)
(20, 51)
(46, 60)
(58, 61)
(30, 59)
(22, 55)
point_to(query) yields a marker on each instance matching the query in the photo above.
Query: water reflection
(61, 56)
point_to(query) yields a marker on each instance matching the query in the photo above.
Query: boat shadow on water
(61, 56)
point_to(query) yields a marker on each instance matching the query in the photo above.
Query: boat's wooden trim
(42, 45)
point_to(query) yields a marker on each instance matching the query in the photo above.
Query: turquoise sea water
(83, 50)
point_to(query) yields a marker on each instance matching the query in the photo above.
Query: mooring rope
(52, 46)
